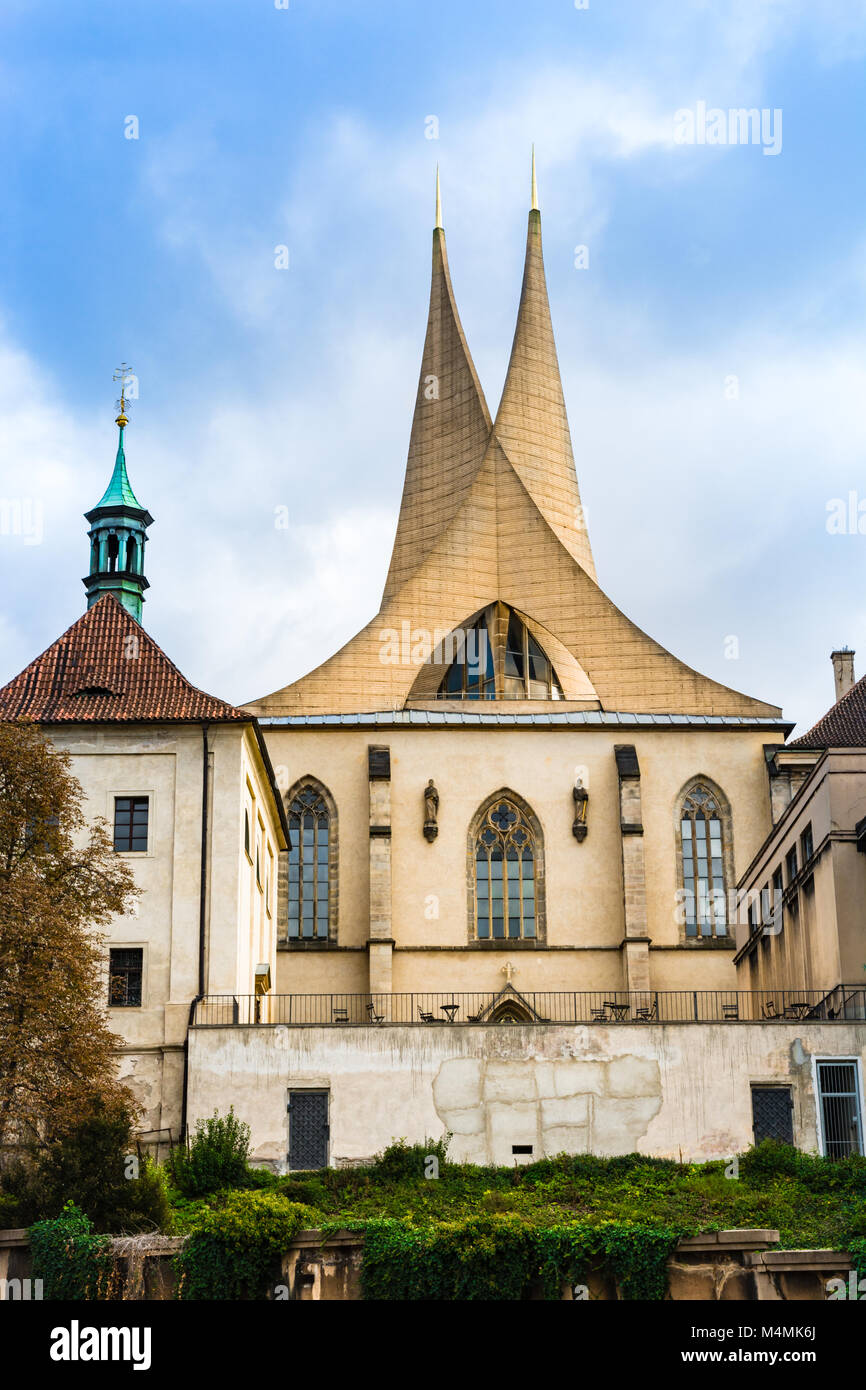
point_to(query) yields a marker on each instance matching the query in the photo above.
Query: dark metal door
(308, 1129)
(772, 1114)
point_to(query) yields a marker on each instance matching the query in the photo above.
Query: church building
(483, 871)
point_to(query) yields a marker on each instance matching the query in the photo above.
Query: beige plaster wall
(584, 881)
(667, 1089)
(165, 763)
(823, 937)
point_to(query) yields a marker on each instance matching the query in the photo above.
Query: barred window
(130, 823)
(505, 877)
(309, 865)
(124, 978)
(703, 849)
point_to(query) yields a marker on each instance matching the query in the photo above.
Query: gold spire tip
(534, 201)
(438, 223)
(124, 375)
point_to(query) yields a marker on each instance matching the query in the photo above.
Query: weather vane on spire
(125, 375)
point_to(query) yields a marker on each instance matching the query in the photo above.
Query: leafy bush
(401, 1161)
(71, 1261)
(92, 1165)
(500, 1257)
(233, 1252)
(216, 1157)
(772, 1160)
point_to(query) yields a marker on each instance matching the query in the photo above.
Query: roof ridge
(148, 686)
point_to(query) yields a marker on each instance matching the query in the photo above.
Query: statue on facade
(431, 811)
(581, 806)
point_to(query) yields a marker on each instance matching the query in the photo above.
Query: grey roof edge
(439, 719)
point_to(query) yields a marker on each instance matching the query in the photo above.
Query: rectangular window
(777, 899)
(806, 845)
(791, 863)
(124, 978)
(839, 1109)
(772, 1113)
(130, 823)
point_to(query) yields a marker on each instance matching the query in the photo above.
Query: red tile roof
(106, 668)
(843, 726)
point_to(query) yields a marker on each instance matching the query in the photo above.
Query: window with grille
(309, 866)
(839, 1108)
(772, 1114)
(125, 967)
(130, 823)
(702, 846)
(505, 875)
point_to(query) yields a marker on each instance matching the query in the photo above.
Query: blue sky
(259, 388)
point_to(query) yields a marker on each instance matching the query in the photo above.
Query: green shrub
(501, 1256)
(93, 1166)
(216, 1157)
(71, 1261)
(401, 1161)
(233, 1252)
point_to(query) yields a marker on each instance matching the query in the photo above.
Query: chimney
(843, 671)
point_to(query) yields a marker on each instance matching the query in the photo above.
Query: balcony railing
(844, 1002)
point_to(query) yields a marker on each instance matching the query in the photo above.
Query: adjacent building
(185, 784)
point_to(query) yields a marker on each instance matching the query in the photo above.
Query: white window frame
(816, 1089)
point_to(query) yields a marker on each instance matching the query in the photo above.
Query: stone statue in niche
(581, 806)
(431, 811)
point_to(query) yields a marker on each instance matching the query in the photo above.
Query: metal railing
(843, 1002)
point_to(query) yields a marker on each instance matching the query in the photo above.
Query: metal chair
(647, 1012)
(730, 1011)
(599, 1015)
(340, 1015)
(425, 1017)
(768, 1009)
(373, 1016)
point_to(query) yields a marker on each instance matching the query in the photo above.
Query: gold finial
(438, 223)
(124, 375)
(534, 202)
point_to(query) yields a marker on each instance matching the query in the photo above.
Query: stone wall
(675, 1090)
(717, 1267)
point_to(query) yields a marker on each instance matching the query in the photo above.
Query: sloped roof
(106, 668)
(843, 726)
(492, 513)
(119, 492)
(450, 429)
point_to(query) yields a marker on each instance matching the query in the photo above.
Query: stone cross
(508, 970)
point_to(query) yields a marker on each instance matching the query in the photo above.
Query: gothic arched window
(312, 885)
(506, 871)
(705, 858)
(496, 657)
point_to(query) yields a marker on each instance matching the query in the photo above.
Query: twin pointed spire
(452, 431)
(533, 204)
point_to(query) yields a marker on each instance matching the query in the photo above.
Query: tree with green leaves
(60, 884)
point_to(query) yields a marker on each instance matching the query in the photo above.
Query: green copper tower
(118, 531)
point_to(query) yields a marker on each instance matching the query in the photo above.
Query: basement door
(772, 1113)
(309, 1130)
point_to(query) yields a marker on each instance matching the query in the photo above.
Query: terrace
(843, 1003)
